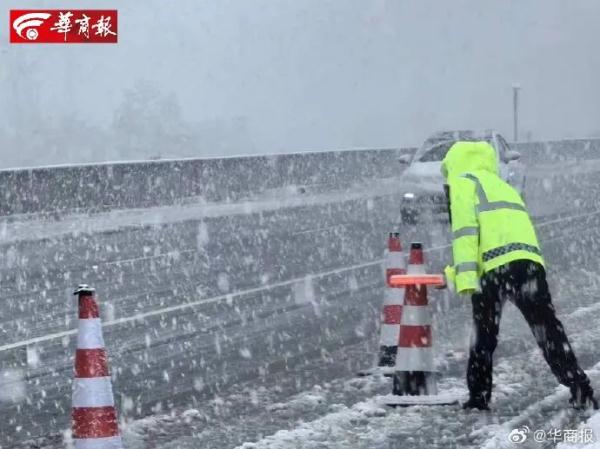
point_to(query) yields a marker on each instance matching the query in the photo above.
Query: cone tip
(84, 288)
(394, 242)
(416, 256)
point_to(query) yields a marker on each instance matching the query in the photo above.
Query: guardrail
(121, 185)
(155, 183)
(559, 151)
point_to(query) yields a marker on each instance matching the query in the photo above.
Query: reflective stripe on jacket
(490, 224)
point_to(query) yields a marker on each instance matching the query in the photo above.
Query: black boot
(582, 397)
(476, 402)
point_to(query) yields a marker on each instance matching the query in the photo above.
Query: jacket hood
(464, 157)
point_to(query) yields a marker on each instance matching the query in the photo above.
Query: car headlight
(409, 196)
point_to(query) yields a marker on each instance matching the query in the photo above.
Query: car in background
(424, 197)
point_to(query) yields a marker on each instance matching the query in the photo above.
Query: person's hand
(444, 286)
(449, 275)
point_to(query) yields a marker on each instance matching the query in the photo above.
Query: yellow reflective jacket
(490, 224)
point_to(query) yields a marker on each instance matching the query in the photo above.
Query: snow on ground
(366, 424)
(525, 394)
(333, 409)
(330, 408)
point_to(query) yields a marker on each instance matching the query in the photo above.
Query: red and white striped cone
(392, 304)
(391, 310)
(415, 378)
(95, 424)
(414, 360)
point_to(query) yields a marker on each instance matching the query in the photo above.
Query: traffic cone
(391, 311)
(392, 304)
(414, 361)
(414, 370)
(94, 417)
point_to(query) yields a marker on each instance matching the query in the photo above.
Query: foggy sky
(328, 74)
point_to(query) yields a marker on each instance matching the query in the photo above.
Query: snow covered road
(342, 411)
(245, 323)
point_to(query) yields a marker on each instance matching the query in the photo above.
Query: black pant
(524, 283)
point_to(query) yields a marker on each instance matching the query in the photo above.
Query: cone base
(414, 383)
(386, 371)
(99, 443)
